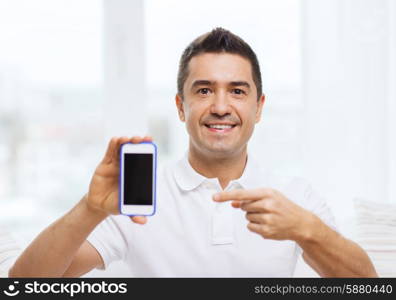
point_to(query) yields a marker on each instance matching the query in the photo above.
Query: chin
(221, 150)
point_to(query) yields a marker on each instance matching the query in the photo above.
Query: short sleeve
(313, 201)
(109, 240)
(317, 204)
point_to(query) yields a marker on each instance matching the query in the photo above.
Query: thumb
(139, 219)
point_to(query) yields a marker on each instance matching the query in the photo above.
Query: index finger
(138, 139)
(112, 149)
(241, 195)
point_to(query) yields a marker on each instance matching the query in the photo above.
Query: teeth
(215, 126)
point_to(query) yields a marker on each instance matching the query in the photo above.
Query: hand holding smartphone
(137, 180)
(103, 194)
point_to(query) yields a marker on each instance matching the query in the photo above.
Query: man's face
(220, 104)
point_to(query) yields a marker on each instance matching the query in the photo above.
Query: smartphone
(137, 182)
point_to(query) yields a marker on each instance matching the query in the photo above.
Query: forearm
(51, 253)
(332, 255)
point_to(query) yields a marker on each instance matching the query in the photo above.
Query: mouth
(220, 128)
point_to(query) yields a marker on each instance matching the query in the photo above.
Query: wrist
(90, 211)
(309, 229)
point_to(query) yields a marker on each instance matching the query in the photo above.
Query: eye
(238, 91)
(204, 91)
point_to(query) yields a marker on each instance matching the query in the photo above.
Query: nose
(220, 104)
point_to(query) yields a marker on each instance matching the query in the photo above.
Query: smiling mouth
(220, 127)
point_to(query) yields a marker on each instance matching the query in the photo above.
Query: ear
(180, 108)
(260, 104)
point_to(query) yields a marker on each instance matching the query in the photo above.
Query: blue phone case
(155, 179)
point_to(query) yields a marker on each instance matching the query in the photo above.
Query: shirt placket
(222, 220)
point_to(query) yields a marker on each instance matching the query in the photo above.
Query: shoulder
(297, 189)
(114, 223)
(301, 191)
(165, 172)
(285, 182)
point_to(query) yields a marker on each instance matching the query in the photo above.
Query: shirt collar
(252, 176)
(188, 179)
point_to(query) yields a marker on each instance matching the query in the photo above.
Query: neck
(225, 168)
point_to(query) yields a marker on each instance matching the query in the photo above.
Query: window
(50, 107)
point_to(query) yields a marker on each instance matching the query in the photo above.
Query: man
(196, 230)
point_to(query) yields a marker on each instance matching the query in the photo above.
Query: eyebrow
(208, 82)
(240, 83)
(201, 82)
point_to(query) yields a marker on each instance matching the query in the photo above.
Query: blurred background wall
(73, 73)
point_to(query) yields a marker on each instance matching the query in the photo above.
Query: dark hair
(217, 41)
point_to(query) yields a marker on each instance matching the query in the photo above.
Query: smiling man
(220, 104)
(197, 232)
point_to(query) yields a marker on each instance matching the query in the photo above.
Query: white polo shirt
(192, 236)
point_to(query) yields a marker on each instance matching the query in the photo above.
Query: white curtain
(124, 69)
(349, 99)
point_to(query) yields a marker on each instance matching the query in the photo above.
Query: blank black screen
(138, 179)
